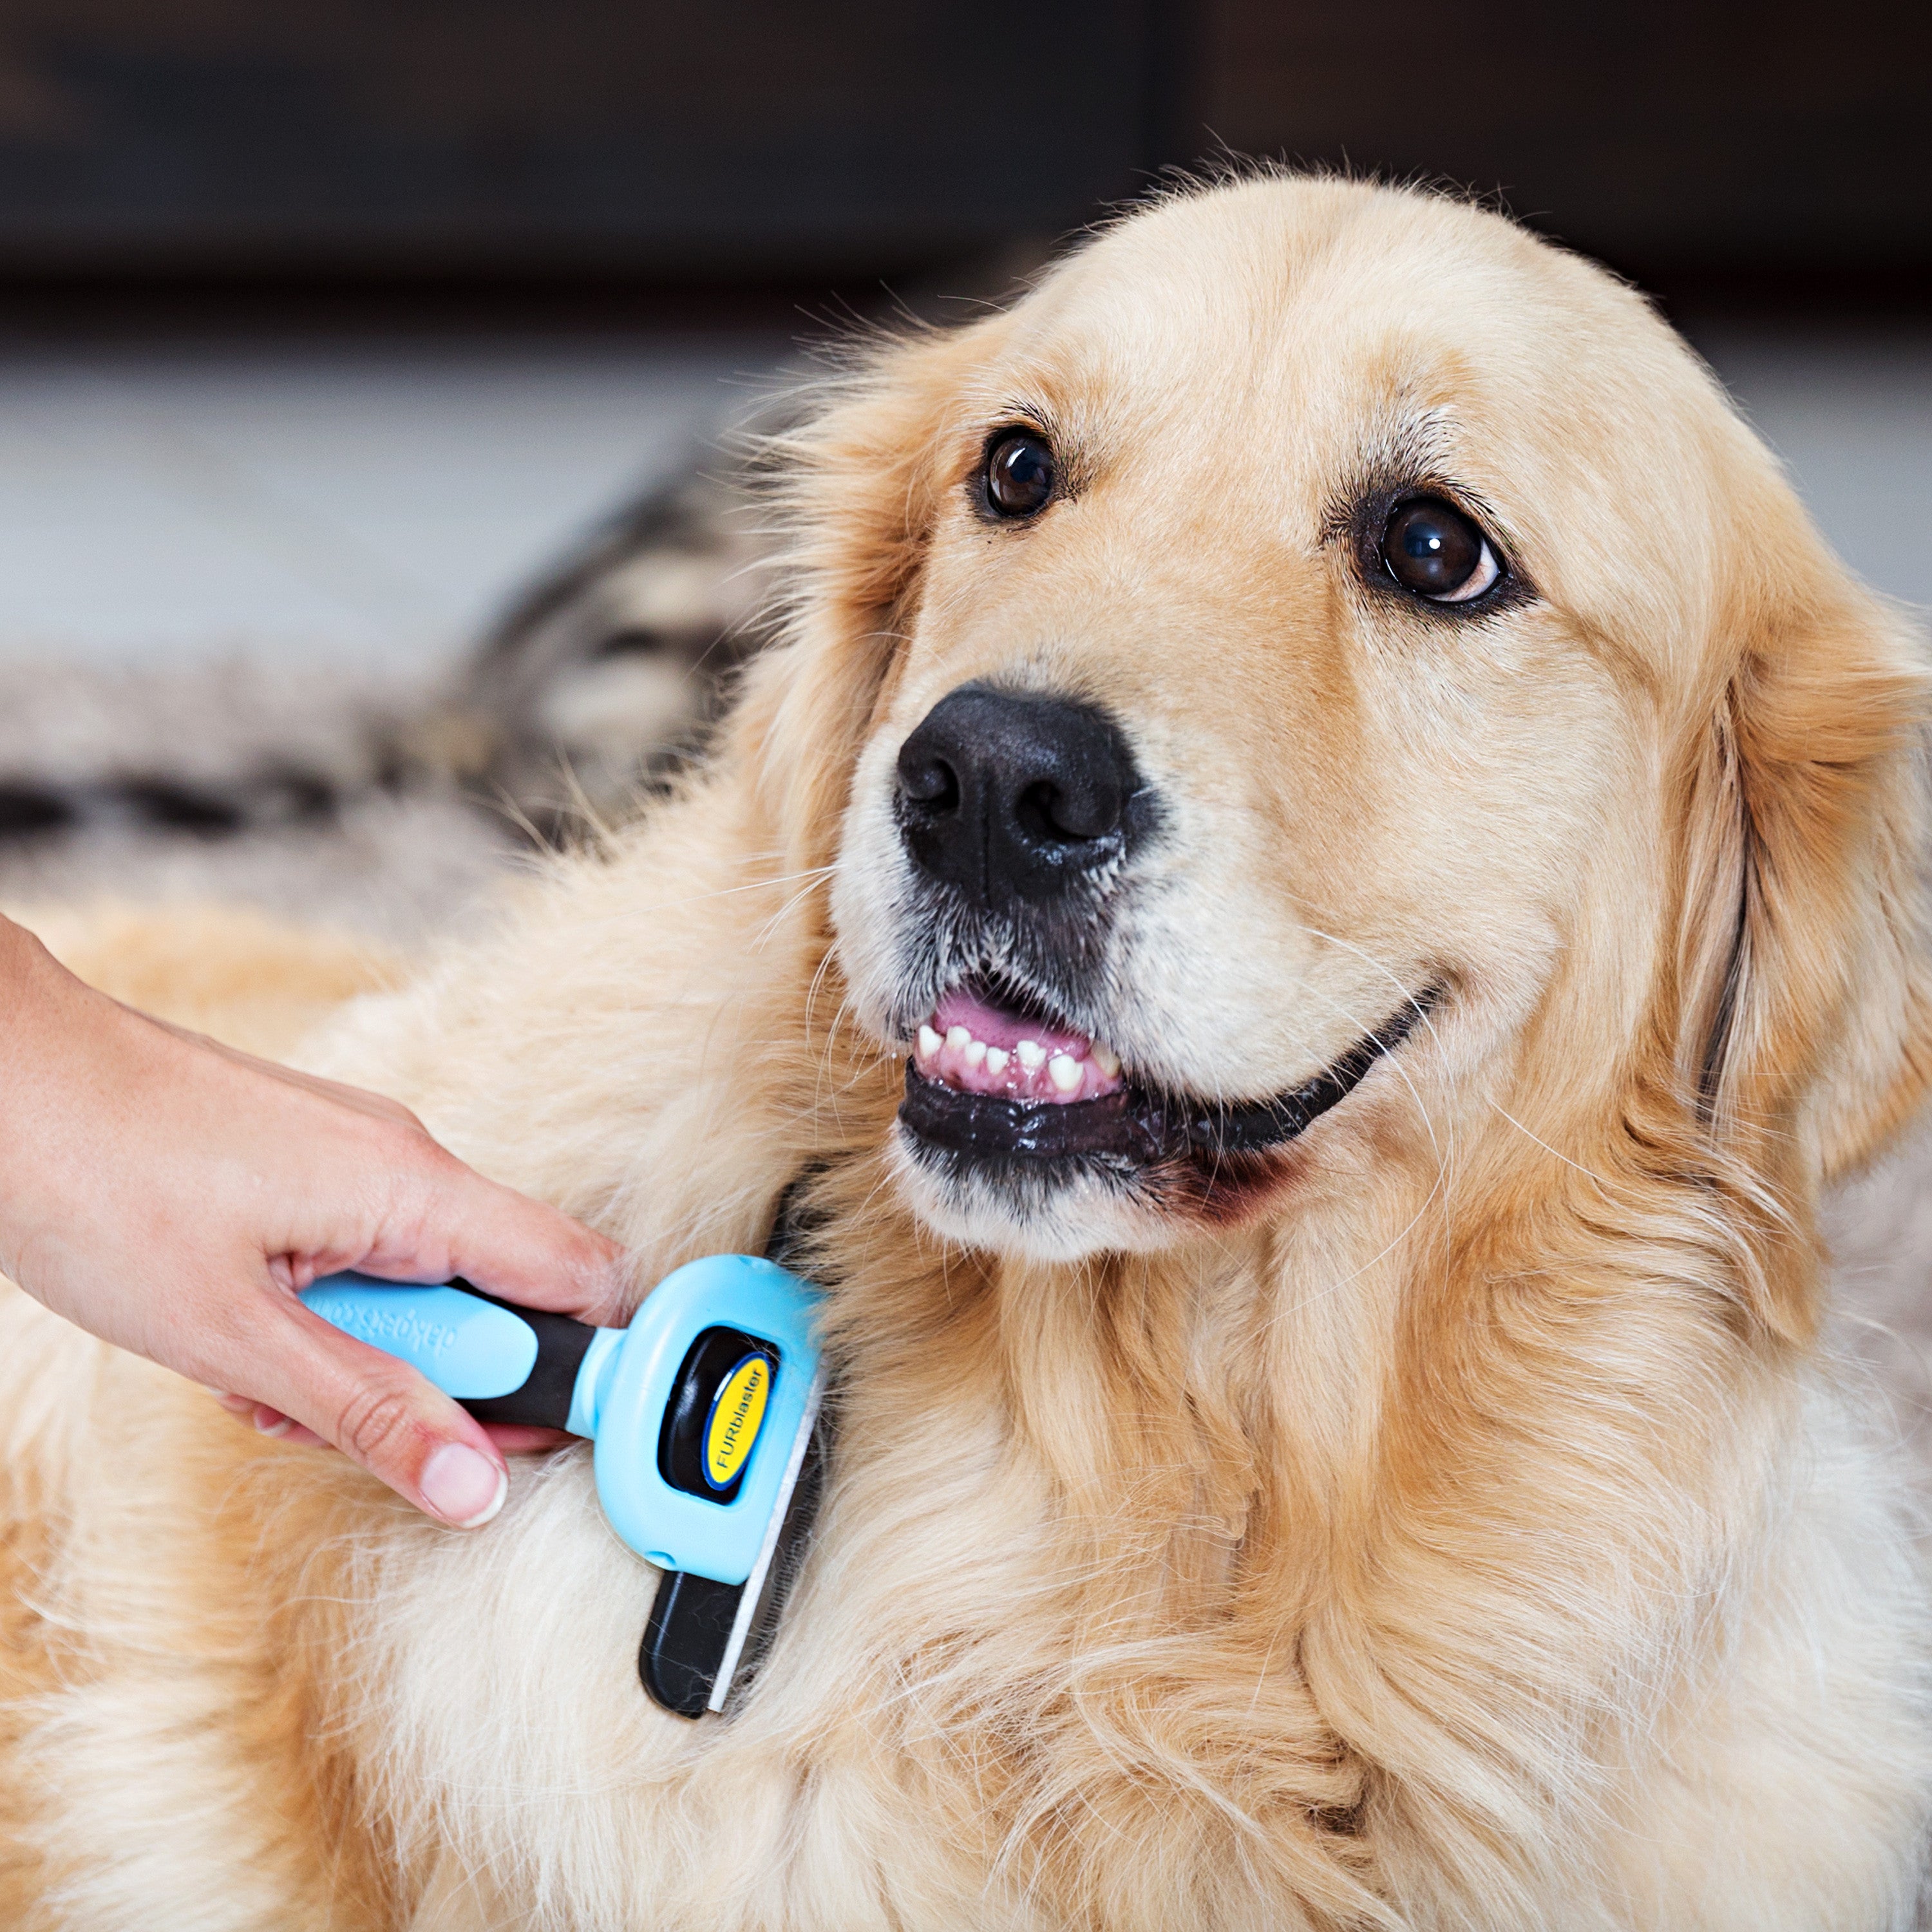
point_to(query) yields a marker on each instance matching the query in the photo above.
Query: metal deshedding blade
(752, 1599)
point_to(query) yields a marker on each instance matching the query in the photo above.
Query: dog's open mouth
(974, 1045)
(995, 1079)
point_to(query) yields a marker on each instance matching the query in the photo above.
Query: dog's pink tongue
(997, 1027)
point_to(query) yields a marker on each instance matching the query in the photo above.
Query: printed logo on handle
(737, 1415)
(394, 1331)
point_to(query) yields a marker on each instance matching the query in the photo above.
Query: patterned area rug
(311, 795)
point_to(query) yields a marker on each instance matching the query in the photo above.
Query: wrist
(59, 1057)
(28, 974)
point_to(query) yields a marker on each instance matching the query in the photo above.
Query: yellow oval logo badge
(737, 1415)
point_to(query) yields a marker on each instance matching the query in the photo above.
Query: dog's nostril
(928, 781)
(1050, 811)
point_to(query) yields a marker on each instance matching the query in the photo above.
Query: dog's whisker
(1396, 1063)
(1556, 1154)
(1382, 1255)
(814, 881)
(632, 913)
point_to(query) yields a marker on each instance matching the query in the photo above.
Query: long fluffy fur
(1475, 1535)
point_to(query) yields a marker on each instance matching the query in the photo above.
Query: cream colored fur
(1466, 1529)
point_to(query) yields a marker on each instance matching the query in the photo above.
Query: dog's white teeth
(956, 1053)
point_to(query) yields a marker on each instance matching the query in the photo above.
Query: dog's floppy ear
(1804, 1031)
(860, 482)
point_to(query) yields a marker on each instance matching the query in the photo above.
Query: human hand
(174, 1196)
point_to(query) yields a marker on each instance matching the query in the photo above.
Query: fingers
(273, 1422)
(269, 1421)
(378, 1412)
(525, 1439)
(171, 1194)
(509, 1245)
(514, 1439)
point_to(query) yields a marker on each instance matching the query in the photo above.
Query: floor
(372, 505)
(365, 505)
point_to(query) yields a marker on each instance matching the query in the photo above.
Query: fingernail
(463, 1487)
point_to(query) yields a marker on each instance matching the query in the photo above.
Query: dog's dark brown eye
(1431, 549)
(1019, 473)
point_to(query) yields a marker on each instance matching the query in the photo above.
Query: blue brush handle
(503, 1364)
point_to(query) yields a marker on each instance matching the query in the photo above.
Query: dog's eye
(1430, 548)
(1019, 473)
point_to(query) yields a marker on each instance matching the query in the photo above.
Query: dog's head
(1323, 671)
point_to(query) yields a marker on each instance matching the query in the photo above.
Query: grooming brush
(702, 1411)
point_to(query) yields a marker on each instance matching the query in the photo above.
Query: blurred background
(363, 367)
(367, 514)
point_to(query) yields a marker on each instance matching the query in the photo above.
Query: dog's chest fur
(1083, 1640)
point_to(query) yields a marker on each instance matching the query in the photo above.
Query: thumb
(377, 1411)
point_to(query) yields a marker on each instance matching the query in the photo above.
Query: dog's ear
(859, 483)
(1805, 1033)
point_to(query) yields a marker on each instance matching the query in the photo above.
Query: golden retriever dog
(1326, 869)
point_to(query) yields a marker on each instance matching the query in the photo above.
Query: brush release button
(716, 1413)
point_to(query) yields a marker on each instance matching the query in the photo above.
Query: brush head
(696, 1414)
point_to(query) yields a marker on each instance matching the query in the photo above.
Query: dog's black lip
(1138, 1125)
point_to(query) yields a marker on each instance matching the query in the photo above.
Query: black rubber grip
(543, 1400)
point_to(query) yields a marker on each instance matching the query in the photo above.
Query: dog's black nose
(1006, 797)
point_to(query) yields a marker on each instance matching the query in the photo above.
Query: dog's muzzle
(1019, 813)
